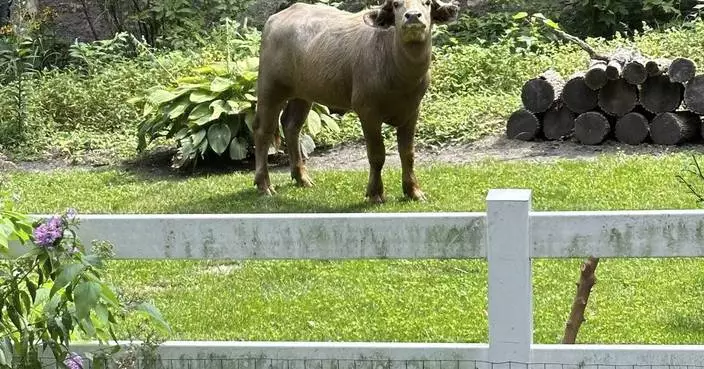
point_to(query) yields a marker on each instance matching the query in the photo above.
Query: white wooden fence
(508, 235)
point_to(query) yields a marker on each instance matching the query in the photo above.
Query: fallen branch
(587, 279)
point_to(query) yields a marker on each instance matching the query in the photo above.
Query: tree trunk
(682, 70)
(558, 122)
(634, 71)
(539, 93)
(591, 128)
(4, 12)
(694, 94)
(632, 128)
(587, 279)
(658, 94)
(578, 96)
(595, 77)
(618, 97)
(673, 128)
(523, 125)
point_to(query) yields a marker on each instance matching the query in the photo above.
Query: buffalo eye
(427, 3)
(397, 4)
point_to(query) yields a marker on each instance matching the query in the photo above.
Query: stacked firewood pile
(626, 97)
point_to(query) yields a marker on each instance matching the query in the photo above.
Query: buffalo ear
(382, 17)
(444, 13)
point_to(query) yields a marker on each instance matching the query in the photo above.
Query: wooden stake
(587, 279)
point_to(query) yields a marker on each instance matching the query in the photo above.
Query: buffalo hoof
(266, 190)
(304, 181)
(417, 195)
(376, 199)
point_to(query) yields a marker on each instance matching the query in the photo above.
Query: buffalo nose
(413, 15)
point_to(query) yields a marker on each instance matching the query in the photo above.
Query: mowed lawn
(634, 301)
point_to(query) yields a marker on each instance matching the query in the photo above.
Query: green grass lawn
(634, 301)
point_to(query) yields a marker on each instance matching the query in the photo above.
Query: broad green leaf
(68, 273)
(219, 137)
(159, 96)
(238, 106)
(249, 119)
(203, 120)
(250, 97)
(221, 84)
(313, 121)
(155, 314)
(102, 313)
(520, 15)
(109, 295)
(238, 149)
(86, 296)
(198, 137)
(201, 110)
(219, 107)
(179, 108)
(307, 145)
(330, 122)
(199, 96)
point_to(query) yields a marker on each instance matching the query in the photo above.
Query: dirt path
(353, 156)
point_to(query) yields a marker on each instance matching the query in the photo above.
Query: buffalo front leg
(376, 154)
(294, 116)
(265, 123)
(405, 136)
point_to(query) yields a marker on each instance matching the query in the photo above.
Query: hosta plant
(213, 112)
(53, 291)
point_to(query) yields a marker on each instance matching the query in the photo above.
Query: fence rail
(509, 234)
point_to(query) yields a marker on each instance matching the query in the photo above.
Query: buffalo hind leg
(405, 136)
(376, 154)
(295, 114)
(264, 126)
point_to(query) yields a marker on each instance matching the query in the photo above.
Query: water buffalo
(373, 62)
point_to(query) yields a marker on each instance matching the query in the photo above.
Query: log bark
(618, 97)
(618, 60)
(587, 279)
(634, 71)
(682, 70)
(658, 94)
(539, 93)
(656, 67)
(591, 128)
(578, 96)
(595, 77)
(523, 125)
(558, 122)
(673, 128)
(632, 128)
(694, 94)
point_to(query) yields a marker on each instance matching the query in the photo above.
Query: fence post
(510, 285)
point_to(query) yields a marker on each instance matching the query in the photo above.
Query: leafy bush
(213, 113)
(56, 291)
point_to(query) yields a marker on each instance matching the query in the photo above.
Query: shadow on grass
(250, 201)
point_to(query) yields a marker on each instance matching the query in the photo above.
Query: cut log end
(674, 128)
(657, 67)
(618, 97)
(591, 128)
(523, 125)
(634, 72)
(658, 94)
(694, 94)
(595, 77)
(632, 129)
(539, 93)
(578, 96)
(682, 70)
(558, 123)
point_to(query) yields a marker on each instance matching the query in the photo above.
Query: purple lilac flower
(47, 233)
(74, 361)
